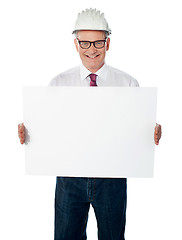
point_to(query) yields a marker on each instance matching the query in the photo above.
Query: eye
(84, 44)
(99, 44)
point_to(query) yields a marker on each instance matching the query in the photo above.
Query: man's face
(92, 58)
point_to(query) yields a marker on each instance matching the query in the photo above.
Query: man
(75, 194)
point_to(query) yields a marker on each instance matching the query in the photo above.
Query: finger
(22, 139)
(159, 126)
(159, 131)
(21, 134)
(156, 133)
(21, 126)
(156, 137)
(156, 128)
(156, 140)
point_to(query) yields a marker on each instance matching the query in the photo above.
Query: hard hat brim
(91, 29)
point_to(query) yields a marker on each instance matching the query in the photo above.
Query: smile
(92, 57)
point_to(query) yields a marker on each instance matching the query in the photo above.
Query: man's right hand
(21, 133)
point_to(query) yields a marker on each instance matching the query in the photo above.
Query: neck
(94, 70)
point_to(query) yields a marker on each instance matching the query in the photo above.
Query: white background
(36, 44)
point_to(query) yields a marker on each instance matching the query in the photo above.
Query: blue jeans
(72, 202)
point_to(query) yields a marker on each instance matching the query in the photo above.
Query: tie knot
(93, 79)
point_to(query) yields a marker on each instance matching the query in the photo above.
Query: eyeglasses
(97, 44)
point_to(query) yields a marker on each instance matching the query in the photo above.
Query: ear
(107, 44)
(76, 44)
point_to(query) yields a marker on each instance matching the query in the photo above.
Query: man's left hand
(157, 133)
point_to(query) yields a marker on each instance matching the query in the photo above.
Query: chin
(94, 66)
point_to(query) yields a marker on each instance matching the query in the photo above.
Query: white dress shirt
(106, 76)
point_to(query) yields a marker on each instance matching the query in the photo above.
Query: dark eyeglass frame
(91, 43)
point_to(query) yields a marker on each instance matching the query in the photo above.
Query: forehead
(91, 35)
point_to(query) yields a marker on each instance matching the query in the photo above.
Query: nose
(92, 49)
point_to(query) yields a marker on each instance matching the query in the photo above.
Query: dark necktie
(93, 80)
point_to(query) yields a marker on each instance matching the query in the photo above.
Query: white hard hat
(90, 19)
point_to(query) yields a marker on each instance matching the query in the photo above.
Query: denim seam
(91, 186)
(94, 189)
(85, 223)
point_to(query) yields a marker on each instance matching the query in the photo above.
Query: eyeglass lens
(87, 44)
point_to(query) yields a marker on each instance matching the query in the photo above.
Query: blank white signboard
(90, 131)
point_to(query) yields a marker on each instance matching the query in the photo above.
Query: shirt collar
(101, 73)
